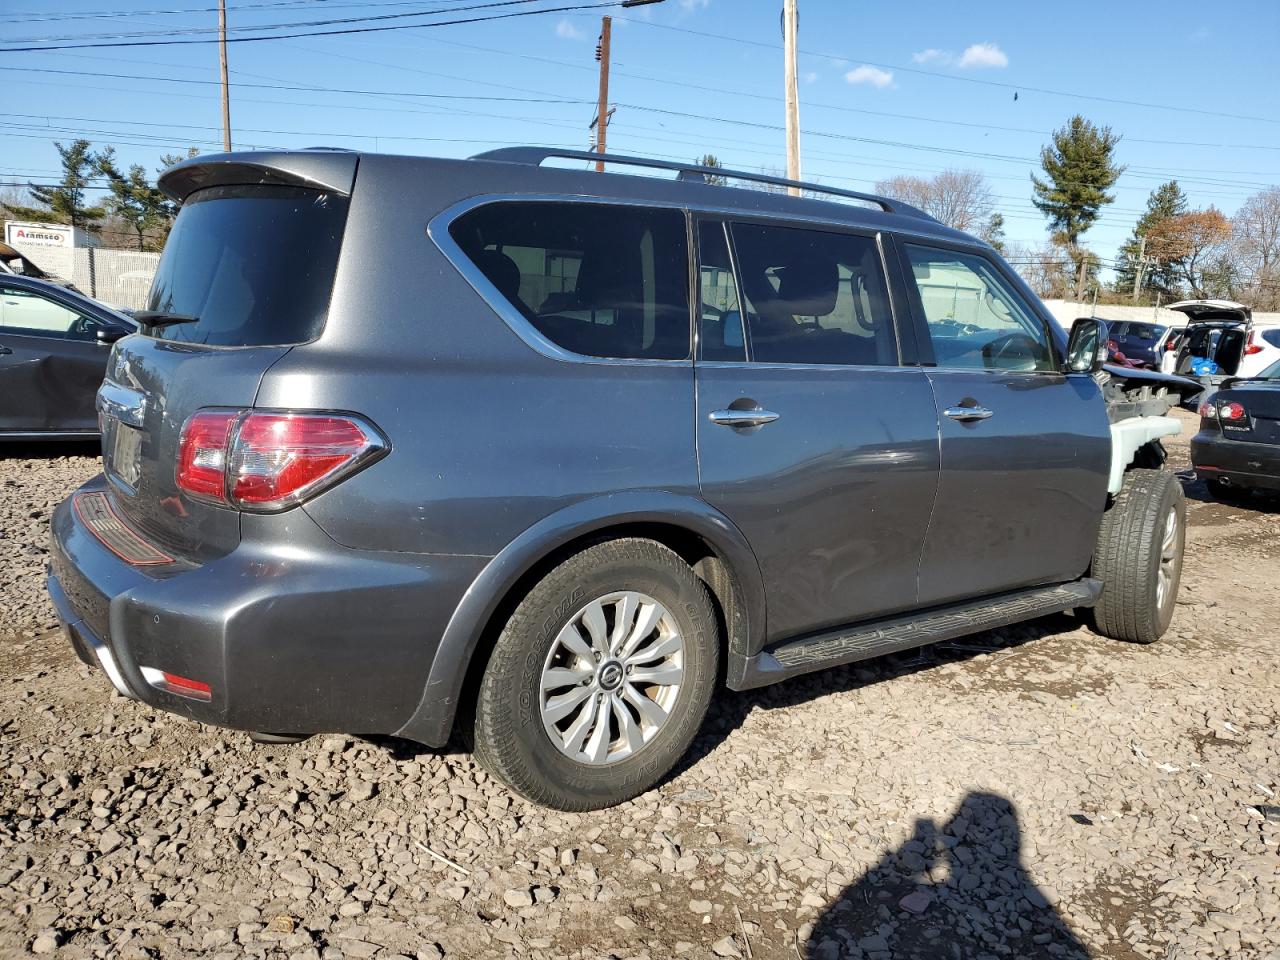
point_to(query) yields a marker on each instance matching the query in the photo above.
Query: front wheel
(599, 681)
(1138, 557)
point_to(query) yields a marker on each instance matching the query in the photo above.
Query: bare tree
(961, 199)
(1046, 268)
(1255, 247)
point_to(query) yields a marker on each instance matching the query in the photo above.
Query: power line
(304, 88)
(195, 31)
(321, 33)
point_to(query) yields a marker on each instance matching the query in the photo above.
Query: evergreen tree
(1079, 169)
(709, 160)
(66, 202)
(1166, 201)
(134, 199)
(993, 232)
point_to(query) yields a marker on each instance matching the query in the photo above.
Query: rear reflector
(265, 461)
(94, 511)
(179, 686)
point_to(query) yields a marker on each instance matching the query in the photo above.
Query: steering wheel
(1022, 350)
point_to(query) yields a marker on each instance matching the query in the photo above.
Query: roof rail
(534, 156)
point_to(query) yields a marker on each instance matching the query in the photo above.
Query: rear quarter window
(597, 280)
(255, 265)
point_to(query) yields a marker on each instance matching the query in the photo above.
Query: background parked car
(1143, 343)
(53, 354)
(1238, 446)
(1215, 341)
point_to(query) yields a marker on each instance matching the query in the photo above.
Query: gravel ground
(1031, 792)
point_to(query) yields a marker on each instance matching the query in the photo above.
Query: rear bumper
(292, 632)
(1245, 464)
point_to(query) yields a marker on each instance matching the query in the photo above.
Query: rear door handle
(5, 350)
(743, 418)
(967, 413)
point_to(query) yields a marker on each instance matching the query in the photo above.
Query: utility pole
(602, 109)
(790, 25)
(1137, 275)
(222, 60)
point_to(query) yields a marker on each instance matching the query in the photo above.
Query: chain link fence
(118, 278)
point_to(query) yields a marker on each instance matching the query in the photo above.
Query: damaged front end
(1138, 405)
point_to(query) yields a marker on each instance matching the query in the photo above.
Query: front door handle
(967, 413)
(5, 350)
(743, 418)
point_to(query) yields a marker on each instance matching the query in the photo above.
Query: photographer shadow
(955, 892)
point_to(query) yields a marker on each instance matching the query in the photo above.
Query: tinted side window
(814, 297)
(597, 280)
(719, 315)
(975, 318)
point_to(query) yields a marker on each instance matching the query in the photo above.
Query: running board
(850, 644)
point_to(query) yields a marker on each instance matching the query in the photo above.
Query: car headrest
(808, 288)
(502, 272)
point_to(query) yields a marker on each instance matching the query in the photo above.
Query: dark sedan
(1238, 446)
(53, 354)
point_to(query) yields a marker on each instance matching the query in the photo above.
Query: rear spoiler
(333, 171)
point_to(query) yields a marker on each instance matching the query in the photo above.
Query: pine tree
(710, 160)
(993, 232)
(134, 199)
(1079, 169)
(65, 203)
(1166, 201)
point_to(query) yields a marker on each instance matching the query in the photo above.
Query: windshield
(255, 265)
(1270, 373)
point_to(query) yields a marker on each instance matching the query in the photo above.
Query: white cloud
(932, 55)
(811, 77)
(983, 55)
(870, 75)
(568, 31)
(692, 5)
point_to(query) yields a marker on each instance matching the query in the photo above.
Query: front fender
(432, 721)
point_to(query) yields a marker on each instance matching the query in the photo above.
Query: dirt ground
(1035, 791)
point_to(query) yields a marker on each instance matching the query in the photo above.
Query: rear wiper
(155, 319)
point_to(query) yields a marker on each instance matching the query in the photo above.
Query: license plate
(126, 448)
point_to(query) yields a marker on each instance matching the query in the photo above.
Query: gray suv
(550, 454)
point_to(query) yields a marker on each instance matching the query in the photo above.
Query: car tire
(1138, 557)
(562, 668)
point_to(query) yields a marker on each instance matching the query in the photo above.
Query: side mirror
(1087, 347)
(109, 335)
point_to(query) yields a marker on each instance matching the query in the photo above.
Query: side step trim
(851, 644)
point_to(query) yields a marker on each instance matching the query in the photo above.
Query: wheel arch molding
(728, 566)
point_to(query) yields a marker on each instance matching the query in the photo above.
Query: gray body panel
(848, 508)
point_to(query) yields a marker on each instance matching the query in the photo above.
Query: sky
(886, 88)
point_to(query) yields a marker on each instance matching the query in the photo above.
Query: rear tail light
(1251, 346)
(202, 454)
(264, 461)
(1231, 411)
(1207, 409)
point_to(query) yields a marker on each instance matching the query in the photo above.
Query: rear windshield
(254, 264)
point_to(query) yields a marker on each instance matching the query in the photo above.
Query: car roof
(522, 171)
(67, 296)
